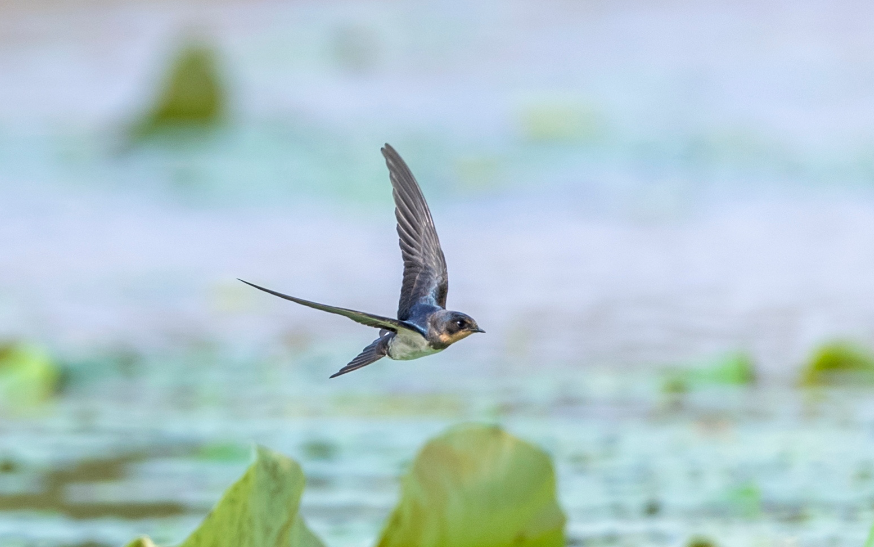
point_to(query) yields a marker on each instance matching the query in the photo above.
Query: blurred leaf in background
(745, 500)
(730, 369)
(477, 486)
(259, 510)
(28, 375)
(355, 47)
(192, 96)
(560, 120)
(839, 363)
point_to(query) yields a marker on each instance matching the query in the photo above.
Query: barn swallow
(424, 326)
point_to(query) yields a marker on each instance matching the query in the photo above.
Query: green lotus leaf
(730, 369)
(259, 510)
(28, 375)
(839, 363)
(192, 96)
(477, 486)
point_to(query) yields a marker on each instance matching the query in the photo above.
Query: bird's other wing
(425, 276)
(372, 353)
(368, 319)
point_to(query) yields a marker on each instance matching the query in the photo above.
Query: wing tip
(389, 153)
(351, 367)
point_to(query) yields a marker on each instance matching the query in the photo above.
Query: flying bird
(424, 326)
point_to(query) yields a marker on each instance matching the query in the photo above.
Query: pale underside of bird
(424, 326)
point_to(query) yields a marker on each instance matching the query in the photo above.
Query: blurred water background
(633, 197)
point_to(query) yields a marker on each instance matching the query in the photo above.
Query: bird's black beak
(479, 330)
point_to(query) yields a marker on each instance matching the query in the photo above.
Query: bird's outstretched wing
(425, 276)
(372, 353)
(368, 319)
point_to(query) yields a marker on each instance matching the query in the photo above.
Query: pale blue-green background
(620, 187)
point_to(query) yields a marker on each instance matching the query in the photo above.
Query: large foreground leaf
(259, 510)
(477, 486)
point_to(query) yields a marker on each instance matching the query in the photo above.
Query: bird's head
(454, 325)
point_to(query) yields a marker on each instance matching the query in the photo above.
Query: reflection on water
(66, 491)
(636, 465)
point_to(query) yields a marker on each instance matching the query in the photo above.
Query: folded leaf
(259, 510)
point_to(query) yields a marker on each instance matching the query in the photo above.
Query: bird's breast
(406, 345)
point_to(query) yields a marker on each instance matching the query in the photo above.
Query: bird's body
(408, 345)
(424, 326)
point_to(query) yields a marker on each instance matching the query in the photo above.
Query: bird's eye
(460, 323)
